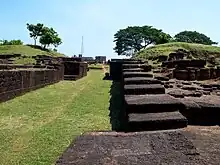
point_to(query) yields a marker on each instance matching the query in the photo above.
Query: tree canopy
(35, 31)
(47, 36)
(134, 38)
(193, 37)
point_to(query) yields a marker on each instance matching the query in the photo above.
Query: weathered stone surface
(184, 63)
(176, 56)
(186, 83)
(162, 58)
(180, 74)
(143, 148)
(151, 103)
(162, 78)
(141, 80)
(192, 75)
(78, 69)
(137, 74)
(206, 92)
(156, 71)
(179, 85)
(217, 71)
(156, 121)
(203, 110)
(208, 89)
(116, 67)
(144, 89)
(189, 87)
(212, 73)
(133, 70)
(204, 74)
(168, 85)
(206, 140)
(129, 66)
(17, 82)
(178, 93)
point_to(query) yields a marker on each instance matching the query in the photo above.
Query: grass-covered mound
(27, 52)
(196, 50)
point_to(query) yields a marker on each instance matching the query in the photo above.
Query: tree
(50, 36)
(133, 39)
(193, 37)
(12, 42)
(35, 31)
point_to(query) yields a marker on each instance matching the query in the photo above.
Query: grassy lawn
(38, 126)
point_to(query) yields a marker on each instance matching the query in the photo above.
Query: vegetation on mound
(37, 127)
(27, 52)
(198, 51)
(132, 39)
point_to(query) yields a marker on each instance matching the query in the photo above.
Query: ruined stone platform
(141, 80)
(133, 70)
(143, 148)
(136, 74)
(143, 89)
(152, 103)
(138, 65)
(156, 121)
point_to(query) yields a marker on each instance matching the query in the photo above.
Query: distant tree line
(47, 36)
(134, 38)
(11, 42)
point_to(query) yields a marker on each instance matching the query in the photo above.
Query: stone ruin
(191, 70)
(180, 67)
(141, 108)
(8, 58)
(74, 67)
(17, 79)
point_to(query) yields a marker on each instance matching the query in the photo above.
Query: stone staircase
(146, 105)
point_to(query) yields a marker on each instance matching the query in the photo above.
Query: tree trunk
(35, 41)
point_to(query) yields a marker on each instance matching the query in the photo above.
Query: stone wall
(75, 70)
(19, 81)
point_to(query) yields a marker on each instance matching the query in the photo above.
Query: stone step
(133, 70)
(156, 121)
(146, 67)
(143, 89)
(141, 80)
(128, 66)
(152, 103)
(137, 74)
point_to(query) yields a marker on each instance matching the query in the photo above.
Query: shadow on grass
(117, 113)
(107, 77)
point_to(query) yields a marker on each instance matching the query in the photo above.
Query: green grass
(98, 66)
(37, 127)
(197, 50)
(27, 52)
